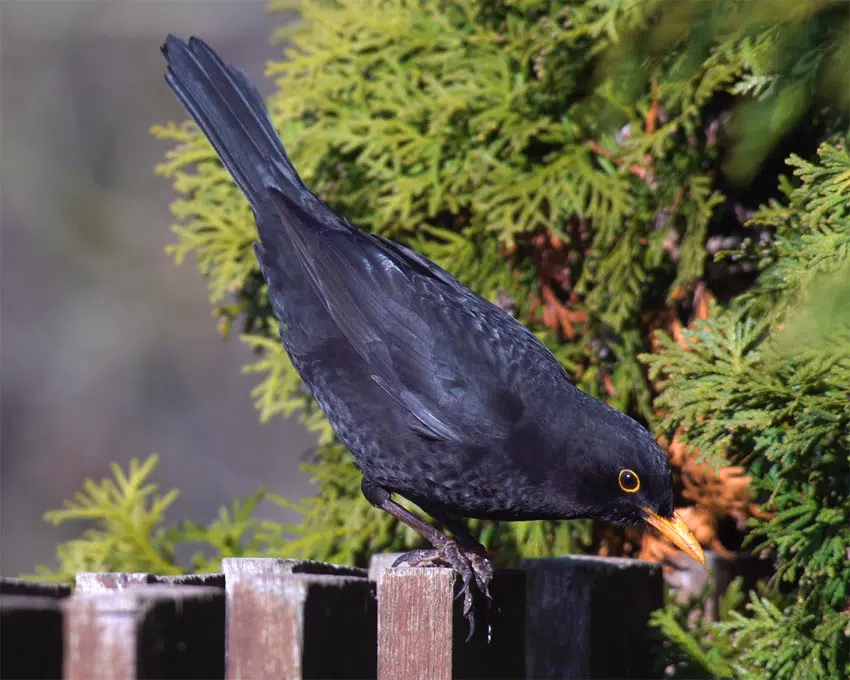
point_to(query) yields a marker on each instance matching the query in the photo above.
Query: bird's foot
(471, 564)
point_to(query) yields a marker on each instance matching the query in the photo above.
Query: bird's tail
(229, 110)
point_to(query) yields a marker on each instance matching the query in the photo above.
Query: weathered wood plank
(106, 581)
(30, 636)
(285, 565)
(422, 632)
(145, 631)
(299, 619)
(587, 617)
(415, 624)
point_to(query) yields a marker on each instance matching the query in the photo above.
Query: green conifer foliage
(767, 381)
(467, 129)
(588, 165)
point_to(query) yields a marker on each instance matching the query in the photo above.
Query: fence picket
(422, 633)
(571, 617)
(298, 619)
(146, 631)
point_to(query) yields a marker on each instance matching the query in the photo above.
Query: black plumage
(442, 397)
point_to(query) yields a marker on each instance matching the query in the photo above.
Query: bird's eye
(629, 481)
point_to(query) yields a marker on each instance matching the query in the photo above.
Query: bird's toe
(483, 571)
(422, 557)
(466, 580)
(471, 566)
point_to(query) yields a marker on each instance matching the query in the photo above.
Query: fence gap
(587, 617)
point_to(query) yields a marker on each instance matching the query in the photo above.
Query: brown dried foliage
(712, 494)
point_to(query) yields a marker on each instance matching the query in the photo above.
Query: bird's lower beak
(677, 531)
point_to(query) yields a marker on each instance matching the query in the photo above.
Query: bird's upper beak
(677, 531)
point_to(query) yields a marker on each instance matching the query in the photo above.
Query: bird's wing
(428, 342)
(424, 338)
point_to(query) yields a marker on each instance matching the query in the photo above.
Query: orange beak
(677, 531)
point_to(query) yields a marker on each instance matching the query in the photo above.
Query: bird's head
(639, 489)
(625, 477)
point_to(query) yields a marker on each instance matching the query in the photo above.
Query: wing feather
(422, 348)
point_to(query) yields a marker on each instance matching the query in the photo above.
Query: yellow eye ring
(629, 481)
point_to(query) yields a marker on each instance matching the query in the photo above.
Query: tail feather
(230, 111)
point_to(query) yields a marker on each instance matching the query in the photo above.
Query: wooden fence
(570, 617)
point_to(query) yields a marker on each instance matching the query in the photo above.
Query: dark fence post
(19, 586)
(147, 631)
(30, 629)
(587, 617)
(298, 619)
(422, 633)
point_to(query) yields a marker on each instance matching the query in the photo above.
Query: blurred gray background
(109, 351)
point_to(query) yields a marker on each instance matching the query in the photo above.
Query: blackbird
(443, 397)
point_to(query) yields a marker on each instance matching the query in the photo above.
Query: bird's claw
(466, 579)
(469, 564)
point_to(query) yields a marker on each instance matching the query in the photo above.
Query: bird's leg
(446, 549)
(471, 548)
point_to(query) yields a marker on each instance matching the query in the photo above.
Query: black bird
(442, 397)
